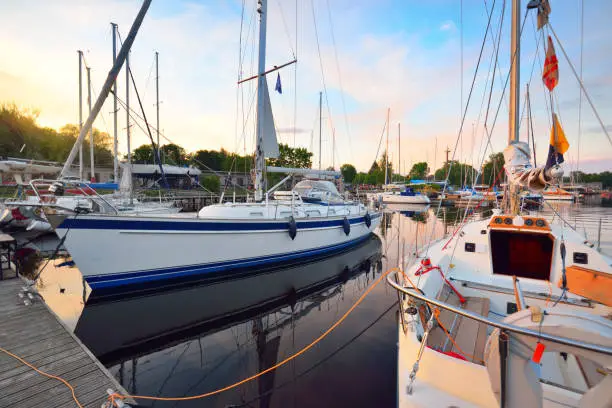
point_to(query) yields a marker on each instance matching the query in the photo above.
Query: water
(198, 339)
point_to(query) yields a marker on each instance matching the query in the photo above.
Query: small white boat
(400, 194)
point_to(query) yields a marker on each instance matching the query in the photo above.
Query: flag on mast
(278, 86)
(558, 144)
(543, 12)
(550, 76)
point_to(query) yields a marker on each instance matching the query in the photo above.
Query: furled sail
(270, 144)
(519, 169)
(125, 184)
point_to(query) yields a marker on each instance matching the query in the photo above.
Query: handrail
(76, 184)
(500, 325)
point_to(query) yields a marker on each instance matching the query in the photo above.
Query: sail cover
(270, 144)
(125, 185)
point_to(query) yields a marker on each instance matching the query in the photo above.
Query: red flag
(550, 76)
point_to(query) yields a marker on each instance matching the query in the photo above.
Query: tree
(418, 171)
(297, 157)
(493, 168)
(457, 173)
(173, 154)
(348, 172)
(143, 154)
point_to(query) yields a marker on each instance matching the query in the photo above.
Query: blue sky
(404, 55)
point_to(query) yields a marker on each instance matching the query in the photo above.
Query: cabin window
(331, 212)
(285, 214)
(522, 254)
(257, 214)
(313, 213)
(581, 258)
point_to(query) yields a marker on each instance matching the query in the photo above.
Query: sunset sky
(400, 54)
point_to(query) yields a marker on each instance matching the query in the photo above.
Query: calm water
(197, 339)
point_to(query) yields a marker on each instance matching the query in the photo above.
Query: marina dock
(30, 330)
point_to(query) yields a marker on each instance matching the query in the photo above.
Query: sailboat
(397, 193)
(221, 241)
(511, 311)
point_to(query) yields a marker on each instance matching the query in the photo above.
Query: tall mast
(80, 111)
(115, 146)
(515, 55)
(157, 96)
(91, 136)
(387, 149)
(108, 83)
(127, 121)
(261, 68)
(320, 125)
(399, 150)
(334, 148)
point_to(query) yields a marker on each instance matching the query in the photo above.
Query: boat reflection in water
(136, 335)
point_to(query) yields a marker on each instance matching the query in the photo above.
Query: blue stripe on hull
(197, 271)
(179, 225)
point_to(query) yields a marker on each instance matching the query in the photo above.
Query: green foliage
(207, 160)
(457, 173)
(174, 154)
(579, 177)
(211, 183)
(418, 171)
(143, 154)
(18, 129)
(297, 157)
(492, 169)
(348, 172)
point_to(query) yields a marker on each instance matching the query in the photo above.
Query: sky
(418, 59)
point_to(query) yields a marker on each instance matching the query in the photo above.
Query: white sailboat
(221, 240)
(511, 311)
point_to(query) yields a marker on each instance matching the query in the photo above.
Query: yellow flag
(561, 144)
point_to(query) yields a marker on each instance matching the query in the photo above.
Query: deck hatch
(521, 253)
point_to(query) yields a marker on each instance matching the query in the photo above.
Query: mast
(91, 136)
(112, 74)
(115, 146)
(515, 58)
(399, 150)
(261, 67)
(157, 96)
(127, 120)
(387, 149)
(334, 148)
(320, 125)
(80, 111)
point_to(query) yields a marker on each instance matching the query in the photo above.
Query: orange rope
(437, 316)
(45, 374)
(274, 367)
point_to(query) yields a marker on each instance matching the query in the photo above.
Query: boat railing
(415, 294)
(86, 192)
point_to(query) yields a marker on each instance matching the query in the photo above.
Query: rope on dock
(66, 383)
(115, 396)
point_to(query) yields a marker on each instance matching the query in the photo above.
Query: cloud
(448, 25)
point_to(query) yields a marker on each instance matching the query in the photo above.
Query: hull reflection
(118, 329)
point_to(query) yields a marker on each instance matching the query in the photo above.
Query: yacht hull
(119, 251)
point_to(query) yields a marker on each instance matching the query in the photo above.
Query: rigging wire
(316, 30)
(580, 97)
(346, 121)
(450, 165)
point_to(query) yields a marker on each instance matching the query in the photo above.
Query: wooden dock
(30, 330)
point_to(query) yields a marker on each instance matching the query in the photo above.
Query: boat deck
(30, 330)
(468, 334)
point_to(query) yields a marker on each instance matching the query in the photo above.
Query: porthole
(540, 223)
(529, 222)
(508, 221)
(498, 220)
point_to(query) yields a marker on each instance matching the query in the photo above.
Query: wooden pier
(30, 330)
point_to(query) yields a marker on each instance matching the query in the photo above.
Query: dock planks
(34, 333)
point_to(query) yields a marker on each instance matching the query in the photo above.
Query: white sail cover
(519, 169)
(270, 144)
(125, 185)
